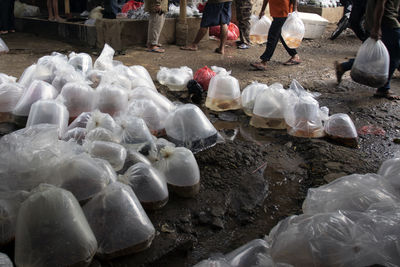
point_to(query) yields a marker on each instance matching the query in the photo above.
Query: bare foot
(60, 19)
(219, 51)
(190, 47)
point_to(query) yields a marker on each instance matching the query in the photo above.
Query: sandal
(3, 32)
(387, 95)
(156, 50)
(292, 62)
(258, 66)
(189, 48)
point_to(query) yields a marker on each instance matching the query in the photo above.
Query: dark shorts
(215, 14)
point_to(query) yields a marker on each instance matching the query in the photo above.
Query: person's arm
(378, 14)
(264, 5)
(294, 3)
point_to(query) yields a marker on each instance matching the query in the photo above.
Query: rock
(218, 223)
(203, 218)
(333, 176)
(334, 165)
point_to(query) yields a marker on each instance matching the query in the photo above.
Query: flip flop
(156, 50)
(258, 66)
(188, 48)
(387, 95)
(292, 62)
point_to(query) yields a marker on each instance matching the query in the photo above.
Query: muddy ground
(256, 177)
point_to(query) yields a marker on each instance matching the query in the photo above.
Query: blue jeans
(274, 35)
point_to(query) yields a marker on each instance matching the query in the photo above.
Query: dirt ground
(256, 177)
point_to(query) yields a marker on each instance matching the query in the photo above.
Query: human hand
(376, 34)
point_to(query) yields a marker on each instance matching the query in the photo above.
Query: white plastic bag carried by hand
(3, 47)
(259, 29)
(293, 30)
(371, 66)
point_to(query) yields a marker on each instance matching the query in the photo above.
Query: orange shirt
(280, 8)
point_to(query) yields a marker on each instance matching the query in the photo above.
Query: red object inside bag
(203, 76)
(131, 5)
(233, 31)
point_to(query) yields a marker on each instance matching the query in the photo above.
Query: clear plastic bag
(188, 126)
(83, 177)
(119, 76)
(10, 203)
(48, 216)
(38, 90)
(303, 117)
(3, 47)
(82, 62)
(149, 185)
(135, 134)
(371, 66)
(102, 120)
(101, 134)
(293, 30)
(246, 255)
(259, 29)
(353, 193)
(119, 222)
(78, 98)
(133, 157)
(50, 112)
(47, 66)
(249, 96)
(269, 109)
(105, 60)
(107, 169)
(152, 107)
(95, 77)
(175, 78)
(111, 100)
(4, 78)
(213, 262)
(223, 93)
(27, 76)
(340, 128)
(10, 93)
(180, 169)
(66, 74)
(324, 239)
(76, 134)
(114, 153)
(5, 261)
(390, 171)
(141, 77)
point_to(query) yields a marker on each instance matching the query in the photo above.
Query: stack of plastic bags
(352, 221)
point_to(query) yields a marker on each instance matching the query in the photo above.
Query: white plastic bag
(143, 77)
(114, 153)
(175, 78)
(66, 74)
(111, 99)
(188, 126)
(390, 170)
(50, 112)
(149, 185)
(259, 29)
(371, 66)
(119, 222)
(82, 62)
(4, 78)
(10, 93)
(353, 193)
(38, 90)
(249, 96)
(105, 60)
(180, 169)
(293, 30)
(246, 255)
(269, 108)
(223, 93)
(78, 97)
(3, 47)
(340, 128)
(49, 215)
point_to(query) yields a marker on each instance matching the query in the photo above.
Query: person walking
(243, 13)
(382, 21)
(216, 12)
(7, 16)
(157, 10)
(279, 10)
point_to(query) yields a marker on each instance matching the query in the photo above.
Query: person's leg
(391, 39)
(50, 9)
(341, 68)
(273, 37)
(156, 23)
(3, 17)
(356, 17)
(243, 14)
(11, 18)
(294, 57)
(223, 37)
